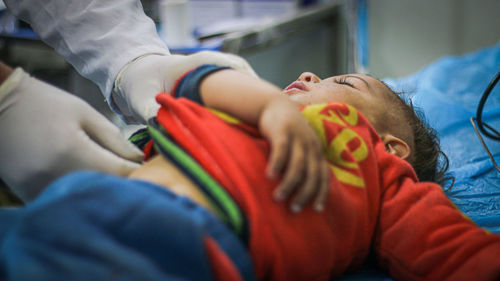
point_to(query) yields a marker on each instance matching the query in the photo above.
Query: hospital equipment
(492, 133)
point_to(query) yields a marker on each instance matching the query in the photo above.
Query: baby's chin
(301, 99)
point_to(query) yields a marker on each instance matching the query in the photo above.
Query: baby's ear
(396, 146)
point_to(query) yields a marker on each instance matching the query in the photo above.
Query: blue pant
(93, 226)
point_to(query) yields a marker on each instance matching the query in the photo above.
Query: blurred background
(283, 38)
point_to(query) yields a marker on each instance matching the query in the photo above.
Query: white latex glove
(46, 133)
(141, 80)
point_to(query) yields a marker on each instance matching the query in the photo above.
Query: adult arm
(104, 38)
(97, 37)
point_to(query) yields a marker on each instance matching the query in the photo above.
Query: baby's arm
(239, 95)
(294, 146)
(422, 236)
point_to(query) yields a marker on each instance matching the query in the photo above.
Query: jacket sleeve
(421, 235)
(97, 37)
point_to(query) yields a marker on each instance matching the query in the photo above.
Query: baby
(373, 200)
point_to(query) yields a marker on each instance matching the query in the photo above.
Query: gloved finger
(242, 65)
(108, 136)
(92, 155)
(224, 59)
(278, 156)
(145, 106)
(324, 187)
(293, 174)
(310, 184)
(150, 110)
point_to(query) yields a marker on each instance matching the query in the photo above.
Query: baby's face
(363, 92)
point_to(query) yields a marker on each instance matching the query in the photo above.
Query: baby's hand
(296, 149)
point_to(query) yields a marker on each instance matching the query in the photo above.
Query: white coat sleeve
(97, 37)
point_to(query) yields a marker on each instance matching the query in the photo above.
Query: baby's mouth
(295, 88)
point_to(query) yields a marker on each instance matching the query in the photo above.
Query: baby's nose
(309, 77)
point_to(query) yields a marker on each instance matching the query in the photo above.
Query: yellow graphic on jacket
(344, 147)
(224, 116)
(235, 122)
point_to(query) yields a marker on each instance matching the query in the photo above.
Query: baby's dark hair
(429, 161)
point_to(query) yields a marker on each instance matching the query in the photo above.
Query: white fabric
(98, 37)
(46, 133)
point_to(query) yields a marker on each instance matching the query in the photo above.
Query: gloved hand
(46, 132)
(141, 80)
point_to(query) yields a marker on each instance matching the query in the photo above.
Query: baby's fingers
(309, 188)
(324, 187)
(278, 157)
(293, 173)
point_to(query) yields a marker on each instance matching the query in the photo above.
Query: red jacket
(375, 202)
